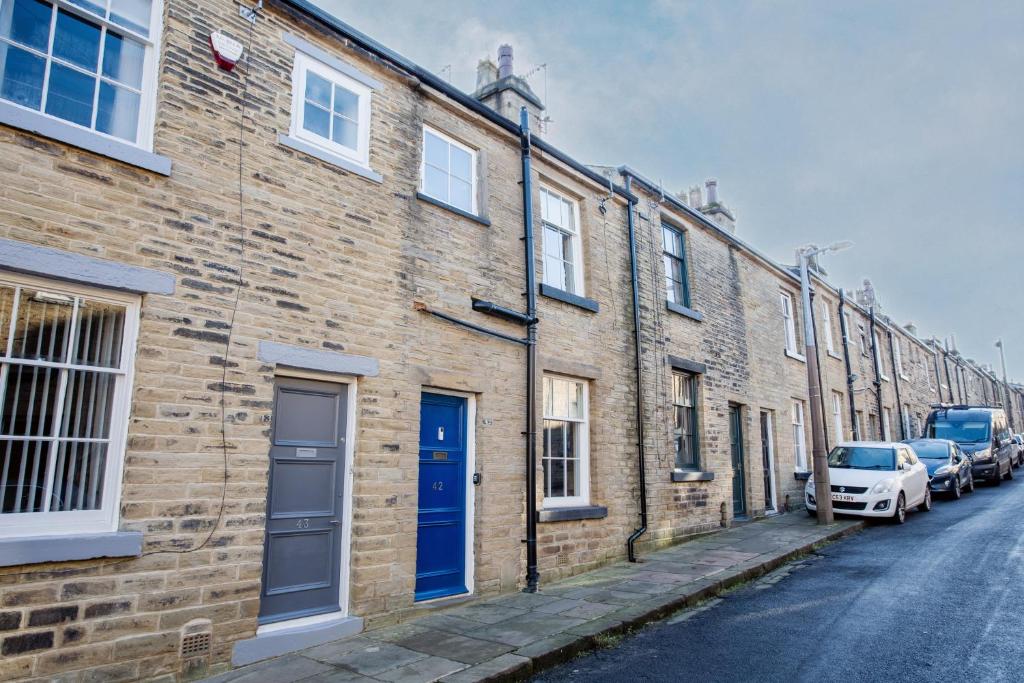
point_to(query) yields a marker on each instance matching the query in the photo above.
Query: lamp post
(1006, 385)
(822, 486)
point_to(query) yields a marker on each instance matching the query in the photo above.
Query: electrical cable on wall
(227, 342)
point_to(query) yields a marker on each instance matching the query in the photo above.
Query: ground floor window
(799, 438)
(565, 458)
(65, 361)
(684, 432)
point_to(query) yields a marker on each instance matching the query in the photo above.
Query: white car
(874, 479)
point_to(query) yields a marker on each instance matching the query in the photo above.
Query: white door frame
(771, 462)
(346, 504)
(470, 568)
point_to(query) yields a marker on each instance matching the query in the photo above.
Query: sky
(897, 125)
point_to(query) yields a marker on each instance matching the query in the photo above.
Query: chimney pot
(504, 61)
(712, 187)
(696, 197)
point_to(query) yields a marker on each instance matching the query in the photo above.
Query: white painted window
(563, 258)
(566, 458)
(448, 173)
(880, 359)
(90, 63)
(862, 340)
(897, 357)
(330, 110)
(789, 321)
(65, 376)
(886, 424)
(858, 421)
(907, 427)
(799, 438)
(826, 323)
(837, 414)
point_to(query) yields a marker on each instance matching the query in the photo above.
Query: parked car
(874, 479)
(949, 470)
(1019, 440)
(982, 433)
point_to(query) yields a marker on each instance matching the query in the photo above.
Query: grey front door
(302, 551)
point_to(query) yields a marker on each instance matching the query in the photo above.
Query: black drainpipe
(896, 385)
(641, 460)
(532, 576)
(878, 369)
(849, 367)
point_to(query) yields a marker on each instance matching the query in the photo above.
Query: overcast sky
(898, 125)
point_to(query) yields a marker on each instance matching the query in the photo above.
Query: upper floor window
(562, 250)
(330, 109)
(862, 340)
(826, 324)
(897, 358)
(89, 63)
(566, 458)
(684, 432)
(879, 358)
(677, 283)
(448, 173)
(65, 365)
(789, 321)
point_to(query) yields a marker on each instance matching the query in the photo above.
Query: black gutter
(641, 459)
(370, 45)
(878, 369)
(896, 385)
(849, 367)
(525, 141)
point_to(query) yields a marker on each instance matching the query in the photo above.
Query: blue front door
(441, 533)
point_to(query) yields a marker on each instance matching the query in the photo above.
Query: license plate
(844, 497)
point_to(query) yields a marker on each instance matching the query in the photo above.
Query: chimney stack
(911, 328)
(712, 187)
(718, 212)
(500, 89)
(696, 197)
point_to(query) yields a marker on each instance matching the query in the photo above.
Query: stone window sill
(329, 157)
(76, 136)
(454, 209)
(835, 355)
(684, 311)
(65, 548)
(796, 356)
(801, 476)
(566, 297)
(571, 514)
(691, 475)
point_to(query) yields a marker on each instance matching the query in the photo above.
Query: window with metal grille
(65, 365)
(91, 63)
(677, 284)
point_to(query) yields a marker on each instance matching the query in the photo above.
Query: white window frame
(473, 161)
(897, 354)
(582, 498)
(575, 242)
(826, 322)
(906, 422)
(799, 436)
(147, 96)
(789, 322)
(303, 64)
(886, 424)
(104, 519)
(837, 414)
(880, 359)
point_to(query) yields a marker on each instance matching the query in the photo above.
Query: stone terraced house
(271, 346)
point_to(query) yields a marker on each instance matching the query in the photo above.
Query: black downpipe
(532, 576)
(641, 459)
(878, 369)
(904, 419)
(849, 367)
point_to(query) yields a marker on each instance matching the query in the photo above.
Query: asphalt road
(939, 598)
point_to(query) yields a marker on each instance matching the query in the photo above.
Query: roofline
(427, 78)
(706, 222)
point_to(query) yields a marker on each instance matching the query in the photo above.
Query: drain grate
(195, 644)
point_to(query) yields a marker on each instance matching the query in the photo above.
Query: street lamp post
(822, 486)
(1006, 385)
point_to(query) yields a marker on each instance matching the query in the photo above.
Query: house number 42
(438, 486)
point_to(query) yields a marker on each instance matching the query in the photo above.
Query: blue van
(983, 434)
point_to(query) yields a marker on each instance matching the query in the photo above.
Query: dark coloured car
(949, 470)
(1019, 440)
(983, 435)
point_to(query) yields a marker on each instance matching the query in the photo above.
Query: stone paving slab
(508, 637)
